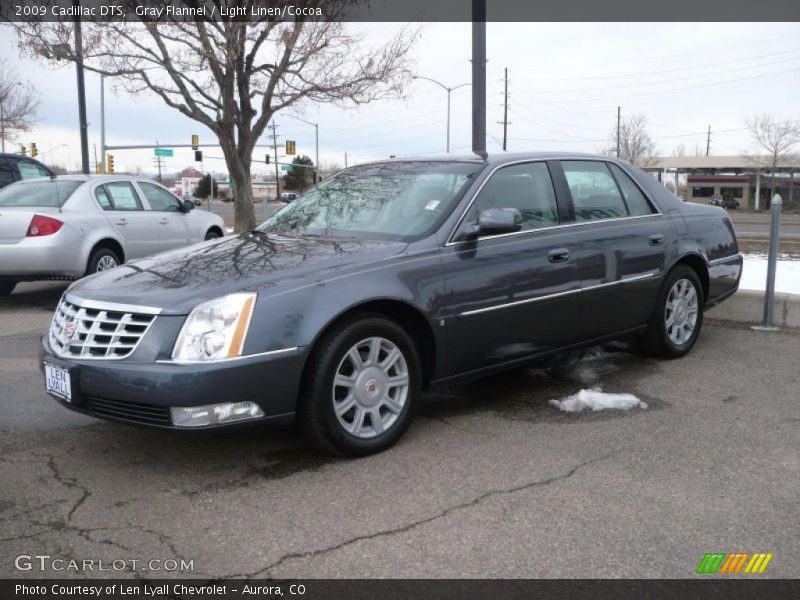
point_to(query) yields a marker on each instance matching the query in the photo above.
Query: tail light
(42, 225)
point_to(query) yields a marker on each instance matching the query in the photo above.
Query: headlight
(215, 330)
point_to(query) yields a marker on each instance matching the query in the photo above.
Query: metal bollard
(772, 260)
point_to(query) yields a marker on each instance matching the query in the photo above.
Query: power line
(649, 73)
(636, 85)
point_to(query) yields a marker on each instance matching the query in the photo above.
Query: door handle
(656, 240)
(122, 222)
(558, 255)
(164, 221)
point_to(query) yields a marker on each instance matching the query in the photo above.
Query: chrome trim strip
(229, 359)
(112, 306)
(558, 294)
(718, 261)
(450, 241)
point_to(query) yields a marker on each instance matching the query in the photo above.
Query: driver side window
(160, 199)
(526, 187)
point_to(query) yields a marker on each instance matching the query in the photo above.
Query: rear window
(39, 193)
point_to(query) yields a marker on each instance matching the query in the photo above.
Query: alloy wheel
(106, 262)
(370, 387)
(680, 313)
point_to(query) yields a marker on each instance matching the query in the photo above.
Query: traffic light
(34, 151)
(109, 164)
(198, 156)
(195, 142)
(289, 147)
(266, 160)
(22, 150)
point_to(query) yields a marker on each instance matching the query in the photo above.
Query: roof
(494, 159)
(720, 162)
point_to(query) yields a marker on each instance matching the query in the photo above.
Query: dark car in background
(14, 167)
(382, 280)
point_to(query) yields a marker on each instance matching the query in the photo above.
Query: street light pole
(449, 91)
(3, 123)
(103, 122)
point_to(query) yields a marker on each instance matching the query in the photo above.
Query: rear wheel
(678, 316)
(212, 235)
(364, 380)
(6, 287)
(102, 259)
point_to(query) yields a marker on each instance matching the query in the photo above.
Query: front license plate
(57, 381)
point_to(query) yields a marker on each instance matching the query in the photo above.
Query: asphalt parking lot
(490, 481)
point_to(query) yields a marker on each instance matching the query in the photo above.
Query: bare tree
(18, 104)
(679, 150)
(233, 76)
(777, 138)
(635, 144)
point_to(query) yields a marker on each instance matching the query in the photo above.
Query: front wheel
(678, 315)
(6, 287)
(363, 381)
(212, 235)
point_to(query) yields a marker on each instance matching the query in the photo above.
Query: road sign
(163, 151)
(286, 167)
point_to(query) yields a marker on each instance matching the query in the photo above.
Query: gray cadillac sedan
(385, 278)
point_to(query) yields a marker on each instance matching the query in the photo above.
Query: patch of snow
(595, 399)
(229, 229)
(787, 273)
(587, 366)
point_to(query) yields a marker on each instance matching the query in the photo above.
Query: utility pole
(275, 151)
(479, 78)
(619, 126)
(81, 92)
(708, 141)
(505, 113)
(345, 160)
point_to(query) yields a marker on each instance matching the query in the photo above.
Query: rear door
(172, 220)
(622, 243)
(126, 213)
(513, 295)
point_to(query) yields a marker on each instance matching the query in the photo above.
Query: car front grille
(133, 412)
(96, 331)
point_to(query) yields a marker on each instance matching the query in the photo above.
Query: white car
(76, 225)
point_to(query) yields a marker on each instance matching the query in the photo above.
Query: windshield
(394, 201)
(48, 192)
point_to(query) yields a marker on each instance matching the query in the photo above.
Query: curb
(747, 306)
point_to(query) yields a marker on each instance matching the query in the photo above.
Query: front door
(511, 296)
(171, 219)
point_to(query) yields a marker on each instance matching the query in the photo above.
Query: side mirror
(494, 221)
(188, 205)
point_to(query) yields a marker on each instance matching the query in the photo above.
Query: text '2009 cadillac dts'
(339, 309)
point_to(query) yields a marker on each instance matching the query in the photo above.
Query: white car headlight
(215, 330)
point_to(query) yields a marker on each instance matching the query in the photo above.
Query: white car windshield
(395, 201)
(45, 192)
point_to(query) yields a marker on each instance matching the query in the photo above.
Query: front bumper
(142, 393)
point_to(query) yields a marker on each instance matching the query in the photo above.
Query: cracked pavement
(490, 481)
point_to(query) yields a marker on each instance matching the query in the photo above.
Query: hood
(176, 281)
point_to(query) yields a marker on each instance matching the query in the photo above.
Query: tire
(329, 411)
(671, 333)
(212, 235)
(6, 287)
(101, 260)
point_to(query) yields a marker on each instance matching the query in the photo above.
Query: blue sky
(566, 80)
